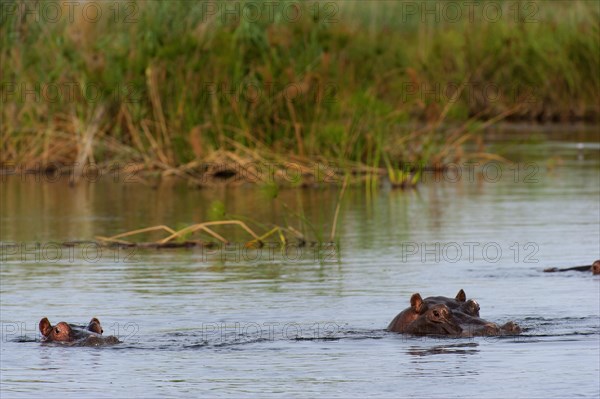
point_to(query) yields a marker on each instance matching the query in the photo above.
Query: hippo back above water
(89, 335)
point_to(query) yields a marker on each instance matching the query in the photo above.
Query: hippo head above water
(422, 318)
(470, 307)
(69, 333)
(61, 332)
(458, 303)
(436, 320)
(441, 315)
(596, 267)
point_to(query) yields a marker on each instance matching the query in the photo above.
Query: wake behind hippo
(89, 335)
(446, 316)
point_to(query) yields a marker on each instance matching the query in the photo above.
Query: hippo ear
(94, 326)
(461, 296)
(94, 321)
(45, 327)
(416, 302)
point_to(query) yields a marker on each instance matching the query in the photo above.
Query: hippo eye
(436, 313)
(56, 330)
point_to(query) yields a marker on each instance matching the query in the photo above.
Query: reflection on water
(462, 349)
(228, 321)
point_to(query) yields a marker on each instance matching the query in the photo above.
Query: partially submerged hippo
(423, 319)
(476, 326)
(434, 320)
(466, 312)
(458, 303)
(90, 335)
(446, 316)
(594, 267)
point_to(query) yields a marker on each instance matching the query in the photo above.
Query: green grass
(174, 85)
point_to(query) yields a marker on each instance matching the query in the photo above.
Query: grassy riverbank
(176, 86)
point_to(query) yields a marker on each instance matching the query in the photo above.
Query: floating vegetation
(181, 238)
(173, 235)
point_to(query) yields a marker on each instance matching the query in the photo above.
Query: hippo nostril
(56, 330)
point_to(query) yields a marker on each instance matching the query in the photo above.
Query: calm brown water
(310, 322)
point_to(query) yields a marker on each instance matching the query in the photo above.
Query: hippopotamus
(458, 303)
(435, 320)
(476, 326)
(466, 312)
(459, 317)
(89, 335)
(594, 267)
(423, 319)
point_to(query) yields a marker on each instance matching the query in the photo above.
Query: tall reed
(353, 82)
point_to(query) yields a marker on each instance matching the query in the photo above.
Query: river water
(310, 321)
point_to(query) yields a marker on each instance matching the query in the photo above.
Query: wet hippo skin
(419, 306)
(407, 316)
(441, 315)
(435, 320)
(458, 303)
(90, 335)
(476, 326)
(423, 319)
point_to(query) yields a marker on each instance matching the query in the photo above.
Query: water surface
(310, 322)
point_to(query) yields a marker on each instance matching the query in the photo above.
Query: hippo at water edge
(90, 335)
(594, 267)
(423, 319)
